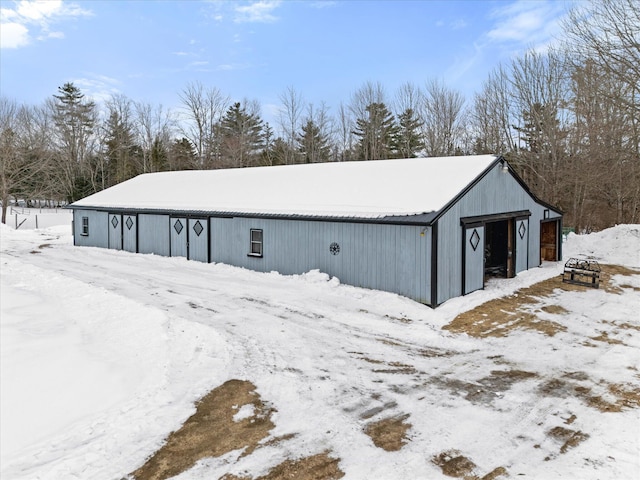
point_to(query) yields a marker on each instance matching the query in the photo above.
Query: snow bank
(617, 245)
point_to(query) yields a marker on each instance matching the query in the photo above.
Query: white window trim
(253, 243)
(85, 227)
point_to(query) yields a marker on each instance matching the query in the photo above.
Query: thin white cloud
(227, 67)
(57, 35)
(322, 4)
(526, 22)
(38, 10)
(98, 87)
(458, 24)
(257, 12)
(31, 19)
(515, 27)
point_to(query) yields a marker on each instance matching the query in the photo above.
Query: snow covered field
(104, 353)
(31, 218)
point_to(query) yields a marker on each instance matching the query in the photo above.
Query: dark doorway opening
(498, 248)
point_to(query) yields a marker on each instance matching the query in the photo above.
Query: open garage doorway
(498, 249)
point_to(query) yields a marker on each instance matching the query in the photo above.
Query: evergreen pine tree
(159, 156)
(74, 118)
(242, 137)
(182, 155)
(123, 155)
(408, 140)
(313, 145)
(376, 133)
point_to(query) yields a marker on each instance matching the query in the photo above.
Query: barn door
(473, 258)
(511, 270)
(115, 231)
(522, 244)
(179, 237)
(549, 241)
(198, 239)
(130, 233)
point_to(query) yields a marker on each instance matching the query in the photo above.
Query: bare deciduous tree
(203, 109)
(155, 126)
(442, 113)
(608, 33)
(604, 38)
(408, 97)
(540, 92)
(491, 116)
(289, 117)
(25, 148)
(344, 134)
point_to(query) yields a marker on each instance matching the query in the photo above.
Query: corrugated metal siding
(153, 234)
(178, 226)
(130, 233)
(522, 242)
(98, 231)
(498, 192)
(115, 231)
(474, 258)
(388, 257)
(198, 237)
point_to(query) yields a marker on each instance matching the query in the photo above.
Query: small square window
(255, 247)
(85, 226)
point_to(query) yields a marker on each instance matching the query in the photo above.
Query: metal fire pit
(582, 272)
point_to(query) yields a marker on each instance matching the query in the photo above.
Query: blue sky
(150, 50)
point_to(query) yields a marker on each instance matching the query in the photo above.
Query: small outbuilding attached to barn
(426, 228)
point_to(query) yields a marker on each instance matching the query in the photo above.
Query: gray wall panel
(178, 235)
(98, 232)
(522, 243)
(198, 239)
(372, 256)
(130, 233)
(474, 259)
(115, 231)
(153, 234)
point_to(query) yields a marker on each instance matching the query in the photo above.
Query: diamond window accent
(334, 248)
(474, 240)
(522, 230)
(178, 226)
(129, 223)
(114, 221)
(198, 228)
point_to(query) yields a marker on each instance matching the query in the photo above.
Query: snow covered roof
(366, 189)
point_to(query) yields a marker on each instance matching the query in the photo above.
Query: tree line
(567, 119)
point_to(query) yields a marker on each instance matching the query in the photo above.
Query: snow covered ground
(103, 354)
